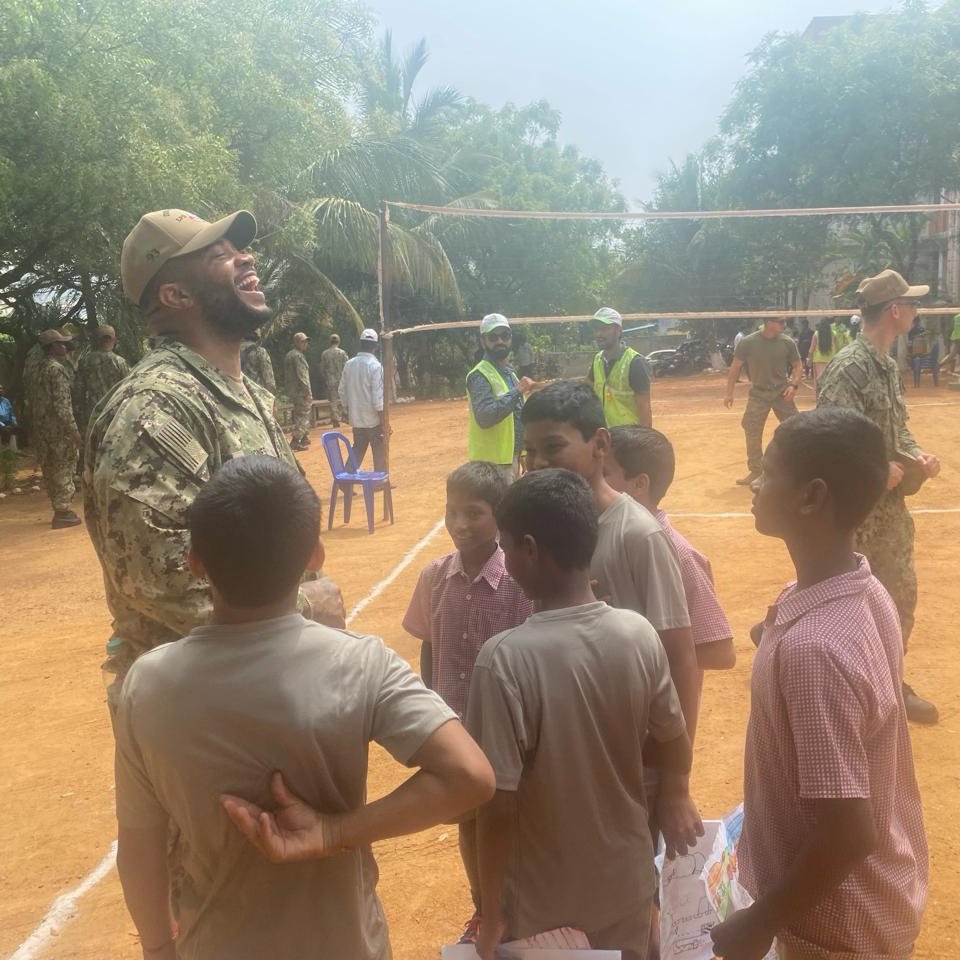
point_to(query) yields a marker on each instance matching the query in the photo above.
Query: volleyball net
(671, 273)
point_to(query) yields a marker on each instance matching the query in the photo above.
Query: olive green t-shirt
(768, 360)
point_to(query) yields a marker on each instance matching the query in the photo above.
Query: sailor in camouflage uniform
(184, 410)
(256, 363)
(97, 372)
(53, 427)
(332, 362)
(864, 376)
(297, 375)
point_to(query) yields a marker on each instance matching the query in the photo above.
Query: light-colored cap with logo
(165, 234)
(885, 286)
(369, 335)
(493, 321)
(299, 337)
(52, 336)
(609, 316)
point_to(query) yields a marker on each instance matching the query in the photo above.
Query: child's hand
(294, 831)
(742, 936)
(679, 820)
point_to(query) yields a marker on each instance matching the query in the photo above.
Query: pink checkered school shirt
(457, 617)
(827, 721)
(707, 620)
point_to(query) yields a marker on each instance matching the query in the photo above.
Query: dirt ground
(56, 752)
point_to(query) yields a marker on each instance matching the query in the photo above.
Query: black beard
(226, 312)
(499, 353)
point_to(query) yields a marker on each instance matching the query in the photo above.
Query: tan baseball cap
(300, 336)
(52, 336)
(885, 286)
(165, 234)
(104, 331)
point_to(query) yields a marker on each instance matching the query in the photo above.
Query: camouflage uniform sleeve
(840, 386)
(269, 380)
(303, 374)
(59, 396)
(149, 468)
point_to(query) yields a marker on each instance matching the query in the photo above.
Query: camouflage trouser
(301, 417)
(58, 464)
(336, 407)
(886, 540)
(754, 420)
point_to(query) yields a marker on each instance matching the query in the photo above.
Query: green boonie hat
(609, 316)
(885, 286)
(493, 321)
(165, 234)
(52, 336)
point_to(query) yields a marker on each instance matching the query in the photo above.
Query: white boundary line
(63, 909)
(408, 558)
(740, 516)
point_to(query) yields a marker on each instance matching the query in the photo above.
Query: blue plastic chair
(346, 476)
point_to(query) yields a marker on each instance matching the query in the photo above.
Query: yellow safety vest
(493, 444)
(615, 392)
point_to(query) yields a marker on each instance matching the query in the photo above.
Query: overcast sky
(637, 82)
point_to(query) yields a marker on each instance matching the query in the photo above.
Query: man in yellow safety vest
(496, 397)
(619, 375)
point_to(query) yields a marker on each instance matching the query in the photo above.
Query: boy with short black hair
(460, 601)
(635, 565)
(833, 845)
(643, 465)
(566, 706)
(258, 689)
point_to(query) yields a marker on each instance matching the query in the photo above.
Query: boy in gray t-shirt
(257, 690)
(635, 566)
(567, 707)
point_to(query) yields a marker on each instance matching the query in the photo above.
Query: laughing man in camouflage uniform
(54, 429)
(297, 375)
(256, 363)
(97, 372)
(864, 376)
(184, 410)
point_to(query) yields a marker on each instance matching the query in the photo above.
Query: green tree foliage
(114, 108)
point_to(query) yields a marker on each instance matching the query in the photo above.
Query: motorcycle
(690, 356)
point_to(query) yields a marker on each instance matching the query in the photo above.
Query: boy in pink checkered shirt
(833, 845)
(643, 464)
(460, 601)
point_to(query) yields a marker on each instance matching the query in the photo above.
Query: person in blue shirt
(9, 428)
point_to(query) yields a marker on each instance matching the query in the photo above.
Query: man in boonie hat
(98, 370)
(496, 396)
(864, 376)
(297, 375)
(53, 427)
(619, 375)
(183, 411)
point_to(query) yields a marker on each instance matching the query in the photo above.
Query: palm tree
(396, 153)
